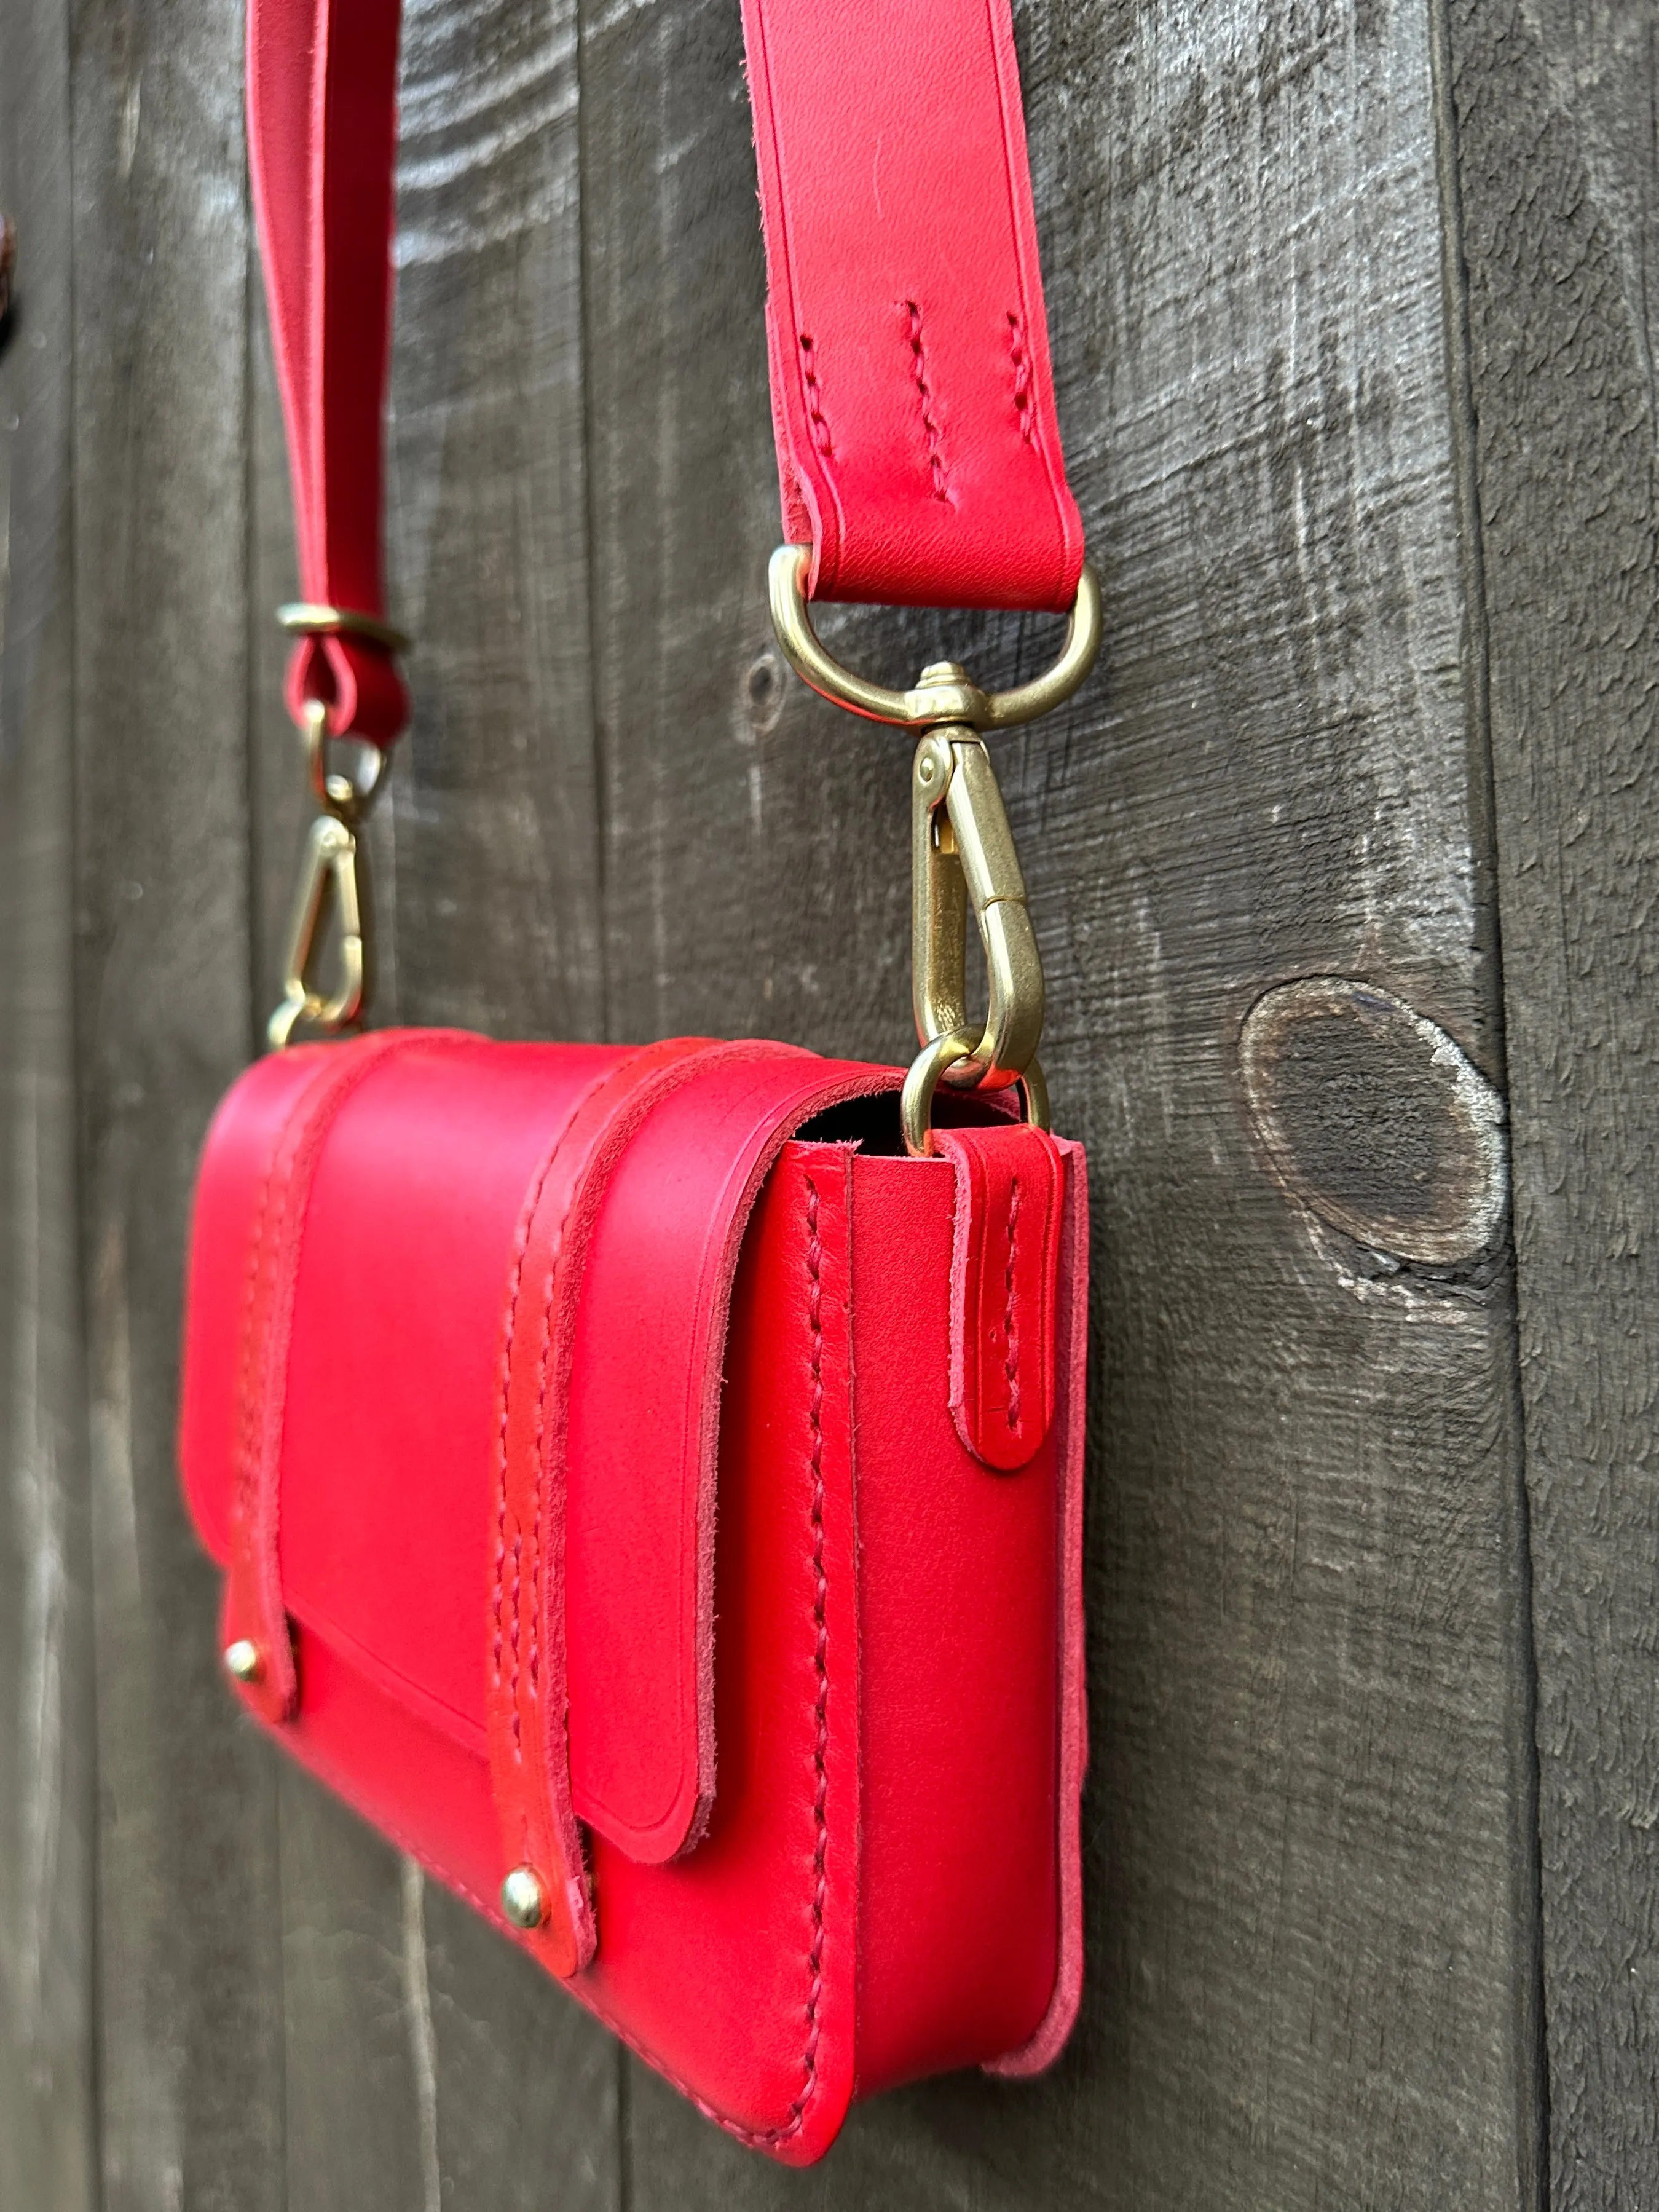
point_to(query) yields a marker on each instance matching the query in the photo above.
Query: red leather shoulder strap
(322, 132)
(917, 444)
(918, 447)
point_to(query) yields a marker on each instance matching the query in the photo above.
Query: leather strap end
(1010, 1184)
(270, 1685)
(919, 449)
(362, 682)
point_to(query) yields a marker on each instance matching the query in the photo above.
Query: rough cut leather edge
(1005, 1252)
(823, 1368)
(656, 1844)
(1072, 1330)
(919, 451)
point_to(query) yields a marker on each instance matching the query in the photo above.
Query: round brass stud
(244, 1660)
(523, 1898)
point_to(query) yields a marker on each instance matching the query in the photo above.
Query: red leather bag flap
(341, 1250)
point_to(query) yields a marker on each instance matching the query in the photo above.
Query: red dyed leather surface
(528, 1697)
(827, 1931)
(912, 396)
(1004, 1264)
(321, 128)
(961, 1880)
(265, 1299)
(918, 447)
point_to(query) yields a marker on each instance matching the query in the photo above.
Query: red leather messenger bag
(694, 1584)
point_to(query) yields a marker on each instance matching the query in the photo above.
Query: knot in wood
(1374, 1118)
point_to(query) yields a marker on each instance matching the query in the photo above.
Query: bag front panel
(875, 1897)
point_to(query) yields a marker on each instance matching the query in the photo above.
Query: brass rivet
(244, 1660)
(523, 1898)
(943, 671)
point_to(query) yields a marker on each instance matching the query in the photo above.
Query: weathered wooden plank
(1558, 172)
(48, 2142)
(189, 1960)
(526, 2082)
(425, 2061)
(1310, 1871)
(493, 819)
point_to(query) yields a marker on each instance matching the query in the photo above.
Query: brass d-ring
(952, 699)
(916, 1098)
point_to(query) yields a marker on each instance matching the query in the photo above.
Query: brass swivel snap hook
(329, 876)
(331, 872)
(962, 850)
(962, 857)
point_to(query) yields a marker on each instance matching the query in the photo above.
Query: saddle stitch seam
(1011, 1364)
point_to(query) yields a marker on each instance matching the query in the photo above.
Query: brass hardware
(304, 620)
(330, 863)
(961, 853)
(331, 872)
(962, 850)
(331, 868)
(327, 871)
(336, 794)
(523, 1901)
(916, 1099)
(938, 697)
(244, 1661)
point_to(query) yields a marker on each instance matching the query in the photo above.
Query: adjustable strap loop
(321, 121)
(918, 449)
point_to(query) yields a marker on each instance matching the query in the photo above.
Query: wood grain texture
(493, 840)
(48, 2142)
(1559, 170)
(1353, 315)
(190, 1983)
(1311, 1870)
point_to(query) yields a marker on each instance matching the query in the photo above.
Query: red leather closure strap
(304, 1112)
(918, 449)
(322, 131)
(528, 1697)
(603, 1597)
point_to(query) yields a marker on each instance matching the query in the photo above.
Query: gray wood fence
(1355, 305)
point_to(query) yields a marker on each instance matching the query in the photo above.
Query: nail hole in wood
(765, 688)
